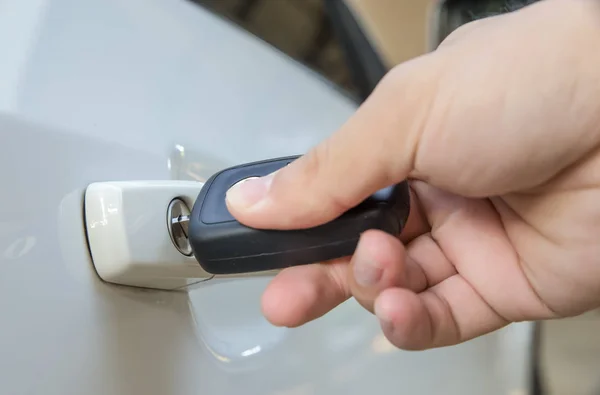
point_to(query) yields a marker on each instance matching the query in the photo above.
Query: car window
(299, 28)
(455, 13)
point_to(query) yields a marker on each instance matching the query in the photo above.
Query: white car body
(109, 90)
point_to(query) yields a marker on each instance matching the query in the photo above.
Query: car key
(222, 245)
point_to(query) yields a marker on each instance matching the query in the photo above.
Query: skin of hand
(498, 131)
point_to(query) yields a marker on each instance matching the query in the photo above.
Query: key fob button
(243, 181)
(214, 209)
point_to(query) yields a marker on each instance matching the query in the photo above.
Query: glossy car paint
(96, 90)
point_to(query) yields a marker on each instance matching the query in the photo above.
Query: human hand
(499, 132)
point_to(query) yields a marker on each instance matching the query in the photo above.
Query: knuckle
(322, 171)
(314, 161)
(338, 278)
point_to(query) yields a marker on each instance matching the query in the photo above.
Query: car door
(109, 90)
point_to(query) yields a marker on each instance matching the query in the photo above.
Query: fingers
(374, 149)
(466, 236)
(429, 257)
(448, 313)
(379, 262)
(301, 294)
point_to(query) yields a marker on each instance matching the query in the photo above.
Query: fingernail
(246, 194)
(367, 272)
(383, 310)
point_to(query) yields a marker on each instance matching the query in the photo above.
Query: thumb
(374, 149)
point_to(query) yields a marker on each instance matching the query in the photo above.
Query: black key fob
(222, 245)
